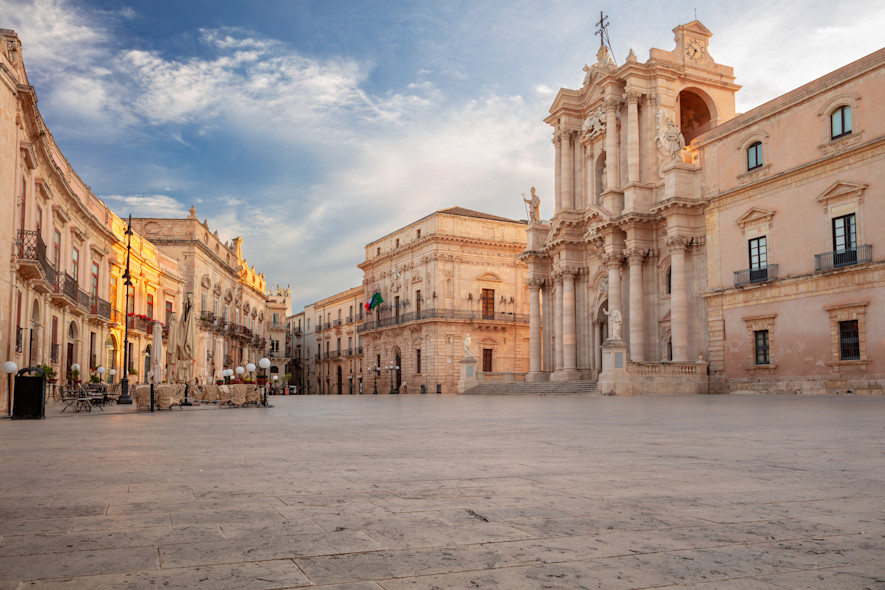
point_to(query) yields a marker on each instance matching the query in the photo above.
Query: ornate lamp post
(250, 368)
(390, 369)
(264, 363)
(375, 370)
(127, 282)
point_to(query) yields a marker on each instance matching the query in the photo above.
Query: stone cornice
(673, 203)
(492, 245)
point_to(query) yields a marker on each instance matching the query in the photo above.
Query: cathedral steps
(536, 388)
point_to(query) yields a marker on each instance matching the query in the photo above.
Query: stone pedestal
(613, 379)
(538, 376)
(468, 374)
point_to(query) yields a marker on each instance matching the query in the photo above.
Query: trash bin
(439, 388)
(423, 389)
(29, 401)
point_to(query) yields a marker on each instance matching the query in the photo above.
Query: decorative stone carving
(668, 138)
(613, 259)
(603, 286)
(603, 59)
(677, 243)
(594, 124)
(467, 353)
(206, 282)
(12, 52)
(635, 255)
(588, 76)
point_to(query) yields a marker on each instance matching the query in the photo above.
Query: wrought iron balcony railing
(755, 275)
(99, 307)
(847, 257)
(449, 314)
(67, 286)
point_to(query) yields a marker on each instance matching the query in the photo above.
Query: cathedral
(696, 250)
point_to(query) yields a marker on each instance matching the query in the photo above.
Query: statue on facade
(594, 124)
(467, 353)
(668, 137)
(534, 207)
(614, 323)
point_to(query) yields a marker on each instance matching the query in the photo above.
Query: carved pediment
(755, 216)
(489, 276)
(842, 190)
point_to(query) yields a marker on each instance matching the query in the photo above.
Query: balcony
(359, 350)
(140, 324)
(99, 308)
(326, 326)
(32, 262)
(444, 314)
(349, 319)
(840, 258)
(297, 332)
(755, 275)
(117, 316)
(336, 323)
(65, 289)
(318, 356)
(348, 352)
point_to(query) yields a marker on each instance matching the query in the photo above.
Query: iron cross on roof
(602, 29)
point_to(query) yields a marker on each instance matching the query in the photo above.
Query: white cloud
(146, 205)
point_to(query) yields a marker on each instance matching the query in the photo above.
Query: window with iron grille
(849, 341)
(761, 347)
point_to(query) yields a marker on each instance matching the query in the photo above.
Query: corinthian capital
(635, 255)
(613, 259)
(677, 243)
(612, 104)
(535, 284)
(632, 97)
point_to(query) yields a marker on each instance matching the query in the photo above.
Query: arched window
(754, 156)
(669, 284)
(840, 122)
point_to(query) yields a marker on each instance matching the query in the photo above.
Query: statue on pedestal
(534, 207)
(467, 352)
(614, 323)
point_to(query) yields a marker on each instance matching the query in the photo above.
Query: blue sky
(310, 128)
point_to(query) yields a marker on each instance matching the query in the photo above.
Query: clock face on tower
(694, 50)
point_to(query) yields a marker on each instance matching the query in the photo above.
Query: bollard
(152, 398)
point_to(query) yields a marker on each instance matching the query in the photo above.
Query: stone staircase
(536, 388)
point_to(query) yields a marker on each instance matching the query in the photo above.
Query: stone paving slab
(434, 492)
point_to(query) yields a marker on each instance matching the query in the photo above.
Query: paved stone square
(431, 492)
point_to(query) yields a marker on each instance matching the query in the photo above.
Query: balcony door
(487, 300)
(844, 240)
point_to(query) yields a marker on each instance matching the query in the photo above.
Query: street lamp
(9, 368)
(240, 371)
(250, 368)
(390, 369)
(127, 282)
(376, 370)
(264, 363)
(100, 372)
(112, 372)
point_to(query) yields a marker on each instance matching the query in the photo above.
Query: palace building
(695, 250)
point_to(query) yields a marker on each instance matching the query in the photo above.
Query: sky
(313, 127)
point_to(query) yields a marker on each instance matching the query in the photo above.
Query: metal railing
(83, 298)
(99, 307)
(359, 350)
(31, 247)
(755, 275)
(349, 319)
(445, 314)
(117, 316)
(326, 326)
(846, 257)
(336, 323)
(66, 285)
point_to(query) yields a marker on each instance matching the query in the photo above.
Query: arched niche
(697, 113)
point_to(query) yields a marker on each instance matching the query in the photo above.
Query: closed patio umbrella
(219, 359)
(172, 351)
(156, 374)
(187, 343)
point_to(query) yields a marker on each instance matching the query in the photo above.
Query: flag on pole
(376, 300)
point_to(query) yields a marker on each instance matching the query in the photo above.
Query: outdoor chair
(238, 394)
(253, 394)
(210, 393)
(167, 396)
(142, 397)
(224, 394)
(72, 399)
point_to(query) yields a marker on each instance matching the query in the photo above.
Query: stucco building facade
(448, 275)
(333, 347)
(693, 250)
(229, 294)
(63, 300)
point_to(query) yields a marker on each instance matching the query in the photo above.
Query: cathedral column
(632, 136)
(580, 199)
(557, 176)
(612, 180)
(534, 326)
(678, 299)
(547, 330)
(569, 342)
(557, 313)
(597, 342)
(637, 322)
(567, 182)
(590, 177)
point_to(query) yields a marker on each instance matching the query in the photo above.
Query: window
(75, 265)
(350, 345)
(849, 341)
(169, 311)
(149, 309)
(203, 309)
(418, 361)
(130, 303)
(840, 122)
(397, 243)
(418, 234)
(761, 347)
(754, 156)
(845, 240)
(114, 292)
(487, 299)
(396, 305)
(418, 302)
(758, 259)
(378, 251)
(94, 286)
(339, 346)
(56, 242)
(486, 360)
(669, 282)
(40, 221)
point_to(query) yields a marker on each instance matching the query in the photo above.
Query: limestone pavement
(430, 492)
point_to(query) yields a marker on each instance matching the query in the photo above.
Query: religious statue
(594, 124)
(467, 352)
(614, 323)
(534, 207)
(668, 137)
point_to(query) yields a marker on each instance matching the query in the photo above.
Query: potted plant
(74, 375)
(133, 371)
(94, 378)
(49, 372)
